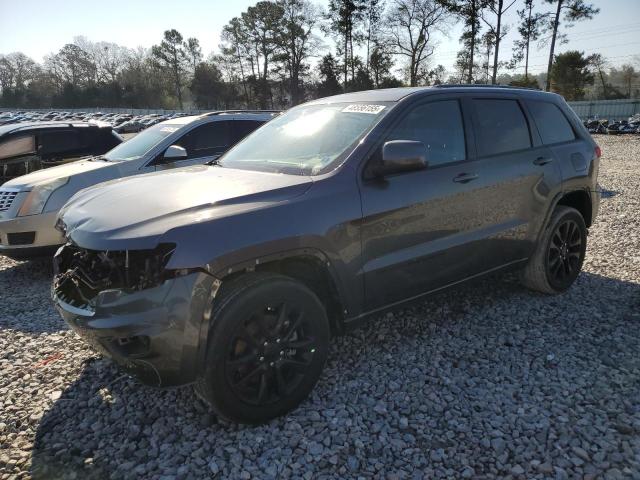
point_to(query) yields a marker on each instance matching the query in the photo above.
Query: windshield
(307, 140)
(137, 146)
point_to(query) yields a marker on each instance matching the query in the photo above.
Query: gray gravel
(483, 381)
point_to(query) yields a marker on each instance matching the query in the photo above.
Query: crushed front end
(131, 308)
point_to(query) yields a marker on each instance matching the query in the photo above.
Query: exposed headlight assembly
(37, 198)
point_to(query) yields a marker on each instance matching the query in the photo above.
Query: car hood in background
(72, 169)
(131, 213)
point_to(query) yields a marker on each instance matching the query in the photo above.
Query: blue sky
(38, 27)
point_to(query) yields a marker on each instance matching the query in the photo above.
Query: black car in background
(25, 147)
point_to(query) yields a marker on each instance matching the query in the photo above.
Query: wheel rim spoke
(299, 344)
(270, 354)
(249, 376)
(295, 364)
(244, 359)
(281, 385)
(565, 251)
(262, 389)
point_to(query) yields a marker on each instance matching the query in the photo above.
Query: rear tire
(559, 255)
(267, 347)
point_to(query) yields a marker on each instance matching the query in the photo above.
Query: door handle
(542, 160)
(465, 177)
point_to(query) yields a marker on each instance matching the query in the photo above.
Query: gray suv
(233, 276)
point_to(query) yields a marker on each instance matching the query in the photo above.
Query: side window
(58, 143)
(551, 122)
(242, 128)
(17, 146)
(500, 127)
(439, 126)
(206, 139)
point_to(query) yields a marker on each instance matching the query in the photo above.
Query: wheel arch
(580, 200)
(310, 266)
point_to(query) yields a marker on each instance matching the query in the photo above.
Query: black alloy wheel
(560, 251)
(270, 354)
(565, 253)
(268, 343)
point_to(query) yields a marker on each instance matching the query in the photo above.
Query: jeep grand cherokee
(233, 276)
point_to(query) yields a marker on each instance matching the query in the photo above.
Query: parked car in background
(232, 276)
(29, 204)
(130, 126)
(26, 147)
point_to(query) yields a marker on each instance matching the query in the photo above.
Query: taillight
(598, 151)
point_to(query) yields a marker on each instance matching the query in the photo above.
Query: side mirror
(174, 152)
(399, 156)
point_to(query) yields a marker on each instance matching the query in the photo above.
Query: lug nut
(271, 364)
(282, 353)
(313, 350)
(266, 344)
(277, 340)
(262, 359)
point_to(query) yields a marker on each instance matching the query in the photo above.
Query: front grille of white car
(6, 199)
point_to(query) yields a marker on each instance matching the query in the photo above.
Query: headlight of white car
(37, 198)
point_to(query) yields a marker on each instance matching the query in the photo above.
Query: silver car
(29, 204)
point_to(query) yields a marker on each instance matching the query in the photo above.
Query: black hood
(133, 213)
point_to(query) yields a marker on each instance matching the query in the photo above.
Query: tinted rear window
(551, 122)
(59, 142)
(500, 127)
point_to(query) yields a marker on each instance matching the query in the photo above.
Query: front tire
(267, 347)
(559, 255)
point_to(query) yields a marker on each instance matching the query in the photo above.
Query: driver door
(418, 227)
(203, 144)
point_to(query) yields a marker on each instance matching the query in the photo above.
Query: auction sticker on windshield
(362, 108)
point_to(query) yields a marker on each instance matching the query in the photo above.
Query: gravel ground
(484, 381)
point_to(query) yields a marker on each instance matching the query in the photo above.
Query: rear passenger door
(515, 176)
(571, 152)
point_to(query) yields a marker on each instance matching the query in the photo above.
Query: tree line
(276, 54)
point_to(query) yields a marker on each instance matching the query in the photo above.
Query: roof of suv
(264, 115)
(26, 126)
(397, 94)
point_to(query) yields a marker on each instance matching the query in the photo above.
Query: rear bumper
(22, 237)
(153, 334)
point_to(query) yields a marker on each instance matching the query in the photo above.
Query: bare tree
(529, 29)
(373, 14)
(497, 30)
(344, 19)
(574, 10)
(236, 46)
(263, 24)
(410, 25)
(297, 41)
(599, 63)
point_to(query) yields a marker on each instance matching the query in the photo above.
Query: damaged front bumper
(153, 332)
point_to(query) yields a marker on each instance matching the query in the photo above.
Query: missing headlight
(82, 274)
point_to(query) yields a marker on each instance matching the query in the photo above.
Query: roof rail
(220, 112)
(482, 85)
